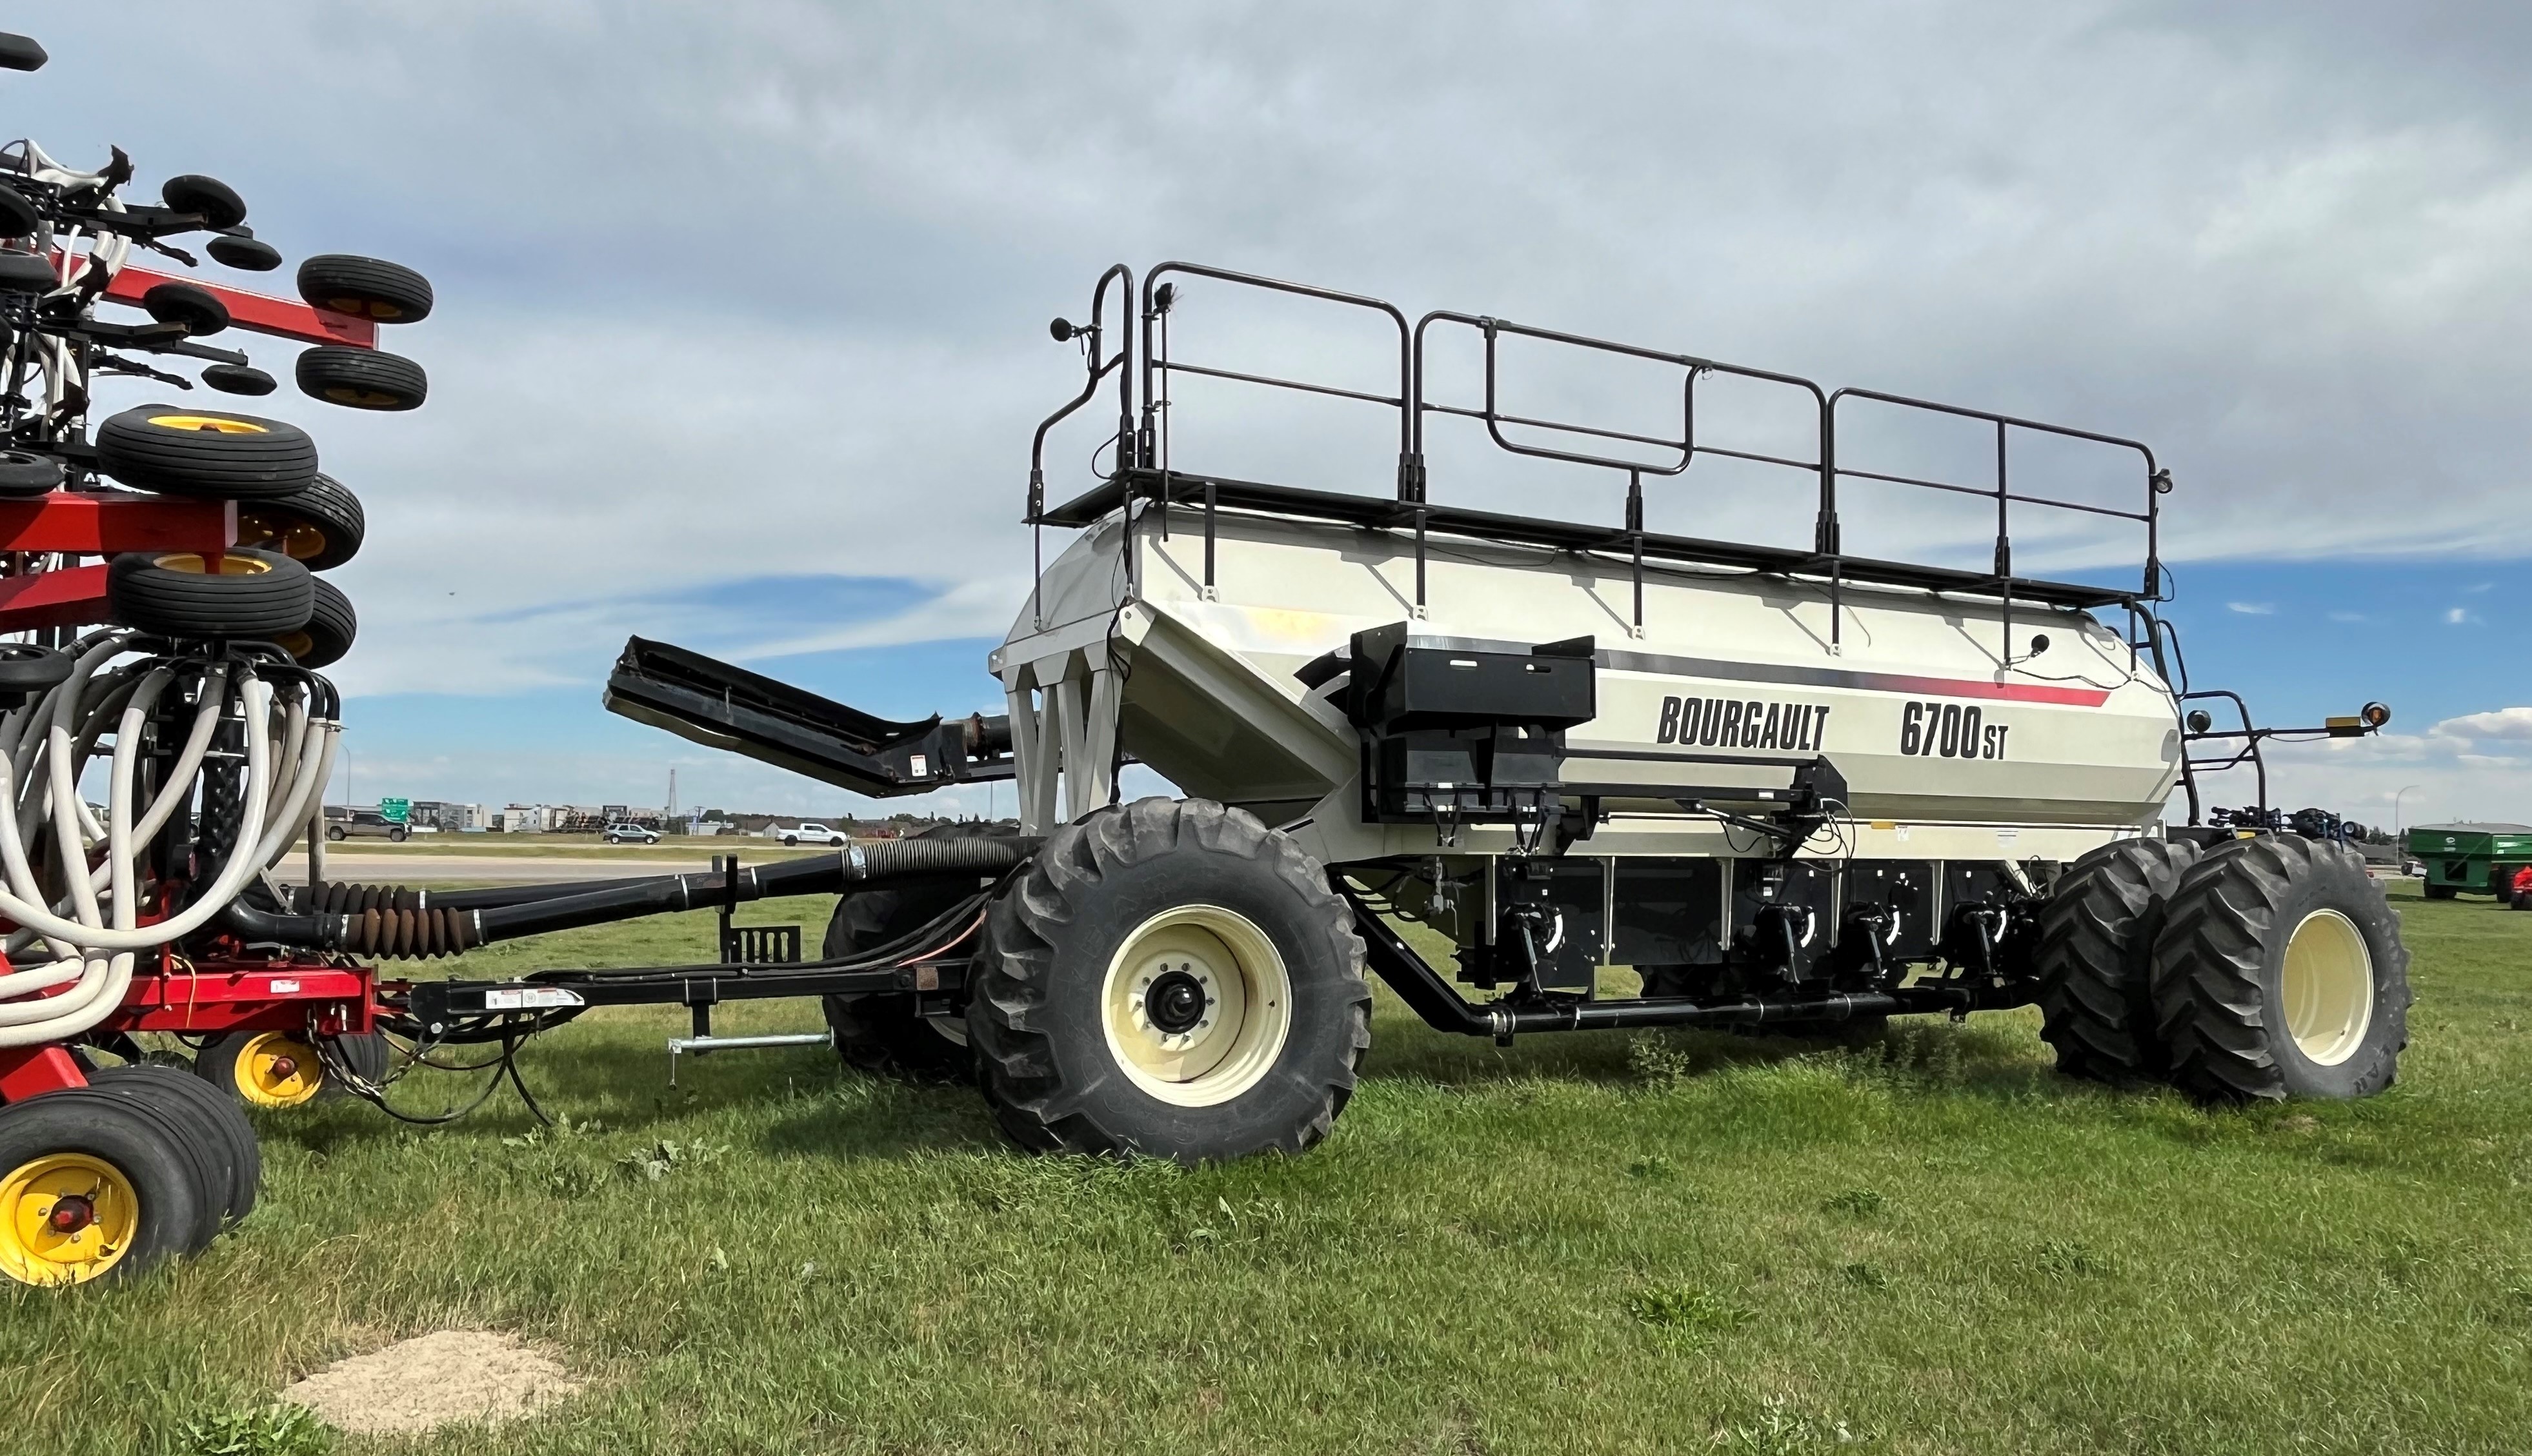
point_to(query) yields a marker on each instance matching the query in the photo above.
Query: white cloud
(2505, 723)
(2252, 608)
(2461, 616)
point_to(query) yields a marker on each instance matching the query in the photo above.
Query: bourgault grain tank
(1794, 787)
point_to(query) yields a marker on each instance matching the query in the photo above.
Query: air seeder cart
(1796, 788)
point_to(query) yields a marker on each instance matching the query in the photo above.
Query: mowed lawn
(1602, 1243)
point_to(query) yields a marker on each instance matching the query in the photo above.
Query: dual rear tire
(103, 1181)
(2257, 969)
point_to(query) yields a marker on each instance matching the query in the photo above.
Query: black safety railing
(1145, 471)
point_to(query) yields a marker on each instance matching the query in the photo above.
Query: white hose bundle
(89, 927)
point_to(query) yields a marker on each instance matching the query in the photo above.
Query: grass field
(1582, 1244)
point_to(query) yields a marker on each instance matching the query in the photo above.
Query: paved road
(504, 870)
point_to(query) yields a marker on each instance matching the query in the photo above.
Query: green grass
(1581, 1243)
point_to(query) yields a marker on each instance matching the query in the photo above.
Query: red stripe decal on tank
(1841, 677)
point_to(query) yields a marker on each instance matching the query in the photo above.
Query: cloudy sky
(742, 320)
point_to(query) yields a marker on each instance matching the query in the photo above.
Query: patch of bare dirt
(436, 1379)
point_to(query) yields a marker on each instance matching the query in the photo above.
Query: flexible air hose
(89, 924)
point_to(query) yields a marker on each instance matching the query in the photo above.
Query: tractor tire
(243, 380)
(1169, 978)
(175, 451)
(332, 627)
(361, 378)
(219, 1125)
(880, 1034)
(237, 592)
(24, 476)
(2280, 972)
(365, 288)
(320, 525)
(249, 254)
(121, 1159)
(2094, 959)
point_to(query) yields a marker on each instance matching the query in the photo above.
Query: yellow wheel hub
(275, 1069)
(2328, 987)
(219, 425)
(65, 1218)
(224, 564)
(296, 539)
(1196, 1005)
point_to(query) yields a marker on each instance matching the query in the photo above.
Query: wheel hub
(1196, 1005)
(71, 1214)
(1176, 1002)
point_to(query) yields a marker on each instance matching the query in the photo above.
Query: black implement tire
(2440, 892)
(1160, 914)
(124, 1154)
(320, 524)
(251, 255)
(26, 273)
(361, 378)
(2280, 972)
(23, 474)
(27, 669)
(332, 627)
(197, 308)
(19, 217)
(364, 287)
(218, 203)
(237, 592)
(177, 451)
(880, 1034)
(225, 1134)
(2095, 960)
(243, 380)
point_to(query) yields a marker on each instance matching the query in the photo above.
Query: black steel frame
(1144, 472)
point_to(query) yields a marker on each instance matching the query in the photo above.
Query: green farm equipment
(2481, 858)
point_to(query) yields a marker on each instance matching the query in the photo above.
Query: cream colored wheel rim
(2328, 987)
(1186, 1052)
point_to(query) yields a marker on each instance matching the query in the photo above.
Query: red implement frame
(284, 318)
(168, 994)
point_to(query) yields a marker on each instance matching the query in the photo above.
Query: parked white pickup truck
(804, 834)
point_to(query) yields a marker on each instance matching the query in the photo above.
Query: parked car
(364, 823)
(628, 834)
(806, 834)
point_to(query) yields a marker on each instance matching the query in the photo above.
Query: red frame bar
(101, 524)
(68, 597)
(262, 998)
(255, 312)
